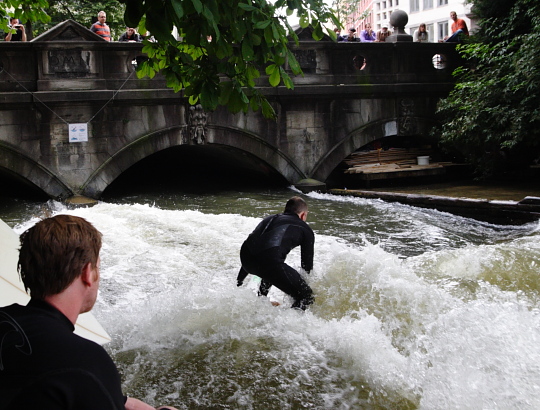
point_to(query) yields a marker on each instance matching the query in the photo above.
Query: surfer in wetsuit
(264, 252)
(43, 364)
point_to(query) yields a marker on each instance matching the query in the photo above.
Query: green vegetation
(493, 115)
(225, 44)
(83, 11)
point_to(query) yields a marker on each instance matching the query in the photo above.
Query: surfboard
(12, 289)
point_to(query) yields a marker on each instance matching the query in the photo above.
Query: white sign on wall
(78, 132)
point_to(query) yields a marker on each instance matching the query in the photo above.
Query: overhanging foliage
(224, 45)
(494, 110)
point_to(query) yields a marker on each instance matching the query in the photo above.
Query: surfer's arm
(135, 404)
(307, 250)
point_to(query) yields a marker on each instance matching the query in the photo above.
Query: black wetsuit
(265, 250)
(44, 365)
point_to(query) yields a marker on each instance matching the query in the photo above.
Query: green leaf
(226, 90)
(274, 78)
(178, 9)
(198, 5)
(134, 12)
(268, 35)
(293, 63)
(255, 39)
(286, 79)
(246, 7)
(317, 32)
(236, 103)
(254, 104)
(267, 109)
(247, 50)
(270, 69)
(275, 31)
(262, 24)
(209, 97)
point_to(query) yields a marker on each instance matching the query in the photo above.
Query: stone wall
(339, 105)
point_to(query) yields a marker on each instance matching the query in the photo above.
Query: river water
(414, 308)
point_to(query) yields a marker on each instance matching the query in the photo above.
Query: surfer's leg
(241, 276)
(264, 288)
(288, 280)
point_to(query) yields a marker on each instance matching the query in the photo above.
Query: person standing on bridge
(43, 364)
(100, 27)
(19, 35)
(264, 252)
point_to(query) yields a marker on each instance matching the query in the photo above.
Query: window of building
(442, 2)
(415, 5)
(384, 16)
(431, 33)
(383, 4)
(442, 29)
(378, 16)
(428, 4)
(389, 3)
(397, 2)
(378, 6)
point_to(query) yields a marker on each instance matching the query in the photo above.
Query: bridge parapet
(70, 57)
(70, 76)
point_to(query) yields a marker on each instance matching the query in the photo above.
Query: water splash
(453, 324)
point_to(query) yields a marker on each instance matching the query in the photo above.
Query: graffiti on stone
(407, 120)
(69, 62)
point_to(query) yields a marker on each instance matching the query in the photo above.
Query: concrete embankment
(493, 211)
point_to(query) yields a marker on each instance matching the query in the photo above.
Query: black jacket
(44, 365)
(277, 235)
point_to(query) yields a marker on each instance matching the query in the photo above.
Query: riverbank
(515, 202)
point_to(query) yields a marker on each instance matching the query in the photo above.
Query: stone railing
(71, 58)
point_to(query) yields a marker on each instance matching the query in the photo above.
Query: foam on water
(451, 327)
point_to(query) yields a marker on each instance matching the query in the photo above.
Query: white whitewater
(409, 312)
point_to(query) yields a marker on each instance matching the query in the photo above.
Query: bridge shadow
(14, 186)
(195, 170)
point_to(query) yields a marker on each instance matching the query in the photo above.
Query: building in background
(434, 13)
(356, 19)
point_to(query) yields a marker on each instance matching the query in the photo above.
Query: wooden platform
(394, 163)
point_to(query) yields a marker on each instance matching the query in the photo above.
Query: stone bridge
(351, 94)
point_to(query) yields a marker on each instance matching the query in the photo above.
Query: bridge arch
(255, 151)
(363, 135)
(23, 167)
